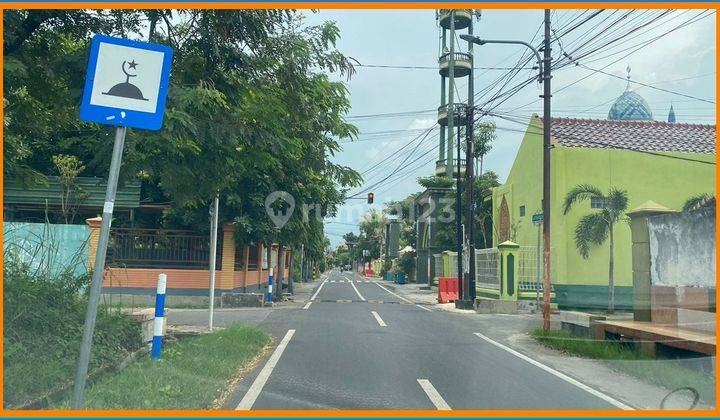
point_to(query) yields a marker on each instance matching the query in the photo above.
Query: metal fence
(530, 269)
(157, 248)
(487, 268)
(438, 265)
(453, 264)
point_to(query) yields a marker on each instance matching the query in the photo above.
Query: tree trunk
(611, 277)
(153, 14)
(481, 165)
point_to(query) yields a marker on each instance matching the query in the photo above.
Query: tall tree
(594, 228)
(251, 110)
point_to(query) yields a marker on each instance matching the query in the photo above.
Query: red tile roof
(656, 136)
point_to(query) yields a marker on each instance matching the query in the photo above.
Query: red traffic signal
(370, 198)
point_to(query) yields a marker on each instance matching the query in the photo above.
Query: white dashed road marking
(378, 319)
(318, 290)
(434, 395)
(251, 395)
(560, 375)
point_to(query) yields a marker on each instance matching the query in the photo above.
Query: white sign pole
(98, 269)
(213, 256)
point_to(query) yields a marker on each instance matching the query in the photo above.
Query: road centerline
(357, 291)
(259, 383)
(378, 319)
(318, 290)
(307, 305)
(558, 374)
(433, 395)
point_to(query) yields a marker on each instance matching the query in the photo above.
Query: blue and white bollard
(270, 286)
(159, 316)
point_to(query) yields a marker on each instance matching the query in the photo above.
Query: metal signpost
(126, 86)
(213, 257)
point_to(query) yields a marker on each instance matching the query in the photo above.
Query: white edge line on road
(560, 375)
(307, 305)
(398, 296)
(318, 290)
(433, 395)
(254, 391)
(357, 291)
(378, 319)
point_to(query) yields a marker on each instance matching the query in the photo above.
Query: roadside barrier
(447, 289)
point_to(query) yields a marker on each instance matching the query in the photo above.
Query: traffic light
(371, 198)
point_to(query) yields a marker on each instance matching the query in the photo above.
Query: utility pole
(546, 175)
(469, 158)
(458, 223)
(213, 256)
(469, 219)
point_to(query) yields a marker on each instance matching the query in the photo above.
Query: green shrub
(406, 263)
(44, 318)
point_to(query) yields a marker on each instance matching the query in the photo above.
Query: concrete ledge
(146, 319)
(242, 300)
(581, 319)
(579, 323)
(496, 307)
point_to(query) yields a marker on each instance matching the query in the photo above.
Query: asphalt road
(356, 345)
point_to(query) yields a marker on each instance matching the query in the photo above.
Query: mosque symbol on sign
(127, 89)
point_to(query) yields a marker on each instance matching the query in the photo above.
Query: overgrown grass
(43, 322)
(191, 373)
(625, 357)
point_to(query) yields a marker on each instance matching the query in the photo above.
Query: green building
(662, 162)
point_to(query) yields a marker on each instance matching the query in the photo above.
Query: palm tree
(700, 201)
(594, 228)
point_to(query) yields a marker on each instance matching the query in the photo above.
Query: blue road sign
(126, 83)
(537, 218)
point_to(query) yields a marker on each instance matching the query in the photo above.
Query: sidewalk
(301, 293)
(415, 293)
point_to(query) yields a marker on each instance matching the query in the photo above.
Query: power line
(399, 67)
(644, 84)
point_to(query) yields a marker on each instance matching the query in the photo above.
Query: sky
(682, 61)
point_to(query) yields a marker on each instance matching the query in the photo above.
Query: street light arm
(476, 40)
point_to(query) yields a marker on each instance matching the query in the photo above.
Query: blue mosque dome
(630, 107)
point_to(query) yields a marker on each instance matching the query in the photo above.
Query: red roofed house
(662, 162)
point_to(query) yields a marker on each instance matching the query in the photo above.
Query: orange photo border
(367, 413)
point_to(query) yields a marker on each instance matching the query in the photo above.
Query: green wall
(662, 179)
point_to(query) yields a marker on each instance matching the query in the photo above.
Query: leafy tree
(69, 167)
(594, 228)
(403, 210)
(251, 109)
(483, 136)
